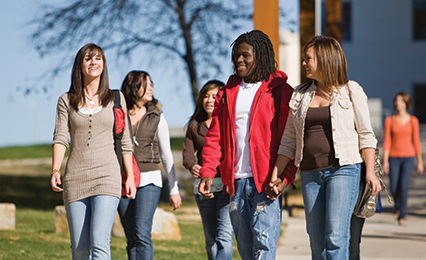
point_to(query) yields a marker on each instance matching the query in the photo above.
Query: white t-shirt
(246, 93)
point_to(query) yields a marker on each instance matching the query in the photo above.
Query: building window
(419, 104)
(346, 21)
(419, 19)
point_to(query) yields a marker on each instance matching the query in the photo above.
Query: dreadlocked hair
(264, 55)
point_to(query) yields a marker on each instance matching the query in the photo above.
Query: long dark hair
(76, 93)
(264, 55)
(132, 83)
(200, 115)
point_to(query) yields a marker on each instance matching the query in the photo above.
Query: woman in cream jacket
(328, 134)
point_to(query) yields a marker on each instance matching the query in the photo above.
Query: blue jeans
(256, 221)
(90, 222)
(400, 171)
(217, 225)
(136, 217)
(356, 230)
(329, 197)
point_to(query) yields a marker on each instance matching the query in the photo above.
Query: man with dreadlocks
(247, 124)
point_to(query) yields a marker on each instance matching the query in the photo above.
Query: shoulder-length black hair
(76, 93)
(200, 114)
(132, 83)
(264, 55)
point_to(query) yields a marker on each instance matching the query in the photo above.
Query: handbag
(119, 126)
(366, 204)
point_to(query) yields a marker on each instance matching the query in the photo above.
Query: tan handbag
(366, 204)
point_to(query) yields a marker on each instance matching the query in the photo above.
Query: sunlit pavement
(382, 238)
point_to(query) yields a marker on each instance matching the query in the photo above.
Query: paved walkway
(382, 238)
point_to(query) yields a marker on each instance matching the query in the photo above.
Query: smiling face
(147, 97)
(310, 62)
(245, 62)
(93, 65)
(208, 101)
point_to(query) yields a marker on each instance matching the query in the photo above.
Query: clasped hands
(275, 188)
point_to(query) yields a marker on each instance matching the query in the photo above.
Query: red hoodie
(267, 121)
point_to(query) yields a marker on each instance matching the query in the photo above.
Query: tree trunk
(189, 56)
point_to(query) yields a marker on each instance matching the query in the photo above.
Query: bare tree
(192, 31)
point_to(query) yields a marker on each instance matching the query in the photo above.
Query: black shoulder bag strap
(117, 136)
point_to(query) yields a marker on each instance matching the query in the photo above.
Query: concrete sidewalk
(382, 238)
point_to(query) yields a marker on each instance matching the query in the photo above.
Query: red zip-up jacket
(267, 121)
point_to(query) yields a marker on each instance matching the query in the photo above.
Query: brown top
(92, 167)
(318, 151)
(194, 142)
(193, 145)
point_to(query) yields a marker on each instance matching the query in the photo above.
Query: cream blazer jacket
(350, 123)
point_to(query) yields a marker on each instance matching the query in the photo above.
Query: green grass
(45, 150)
(22, 152)
(35, 238)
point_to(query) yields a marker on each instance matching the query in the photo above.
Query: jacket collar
(151, 108)
(279, 78)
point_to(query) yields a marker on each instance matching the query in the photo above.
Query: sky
(27, 120)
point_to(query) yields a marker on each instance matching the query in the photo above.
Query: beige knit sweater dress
(92, 167)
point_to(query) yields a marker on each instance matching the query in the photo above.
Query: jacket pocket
(295, 103)
(345, 103)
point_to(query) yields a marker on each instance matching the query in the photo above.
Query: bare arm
(386, 161)
(58, 153)
(420, 166)
(130, 181)
(369, 154)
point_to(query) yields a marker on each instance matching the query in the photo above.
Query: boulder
(165, 225)
(7, 216)
(61, 222)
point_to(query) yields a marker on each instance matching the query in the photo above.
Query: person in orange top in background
(401, 144)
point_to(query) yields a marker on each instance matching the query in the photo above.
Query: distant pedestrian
(247, 124)
(214, 212)
(92, 178)
(401, 144)
(151, 138)
(328, 134)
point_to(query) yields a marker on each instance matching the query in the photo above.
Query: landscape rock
(61, 222)
(165, 225)
(7, 216)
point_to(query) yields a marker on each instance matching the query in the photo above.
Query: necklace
(401, 120)
(91, 102)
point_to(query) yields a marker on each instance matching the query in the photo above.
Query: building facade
(385, 45)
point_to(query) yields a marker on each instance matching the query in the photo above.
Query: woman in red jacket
(247, 123)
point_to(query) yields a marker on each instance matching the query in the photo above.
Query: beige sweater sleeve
(126, 142)
(60, 134)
